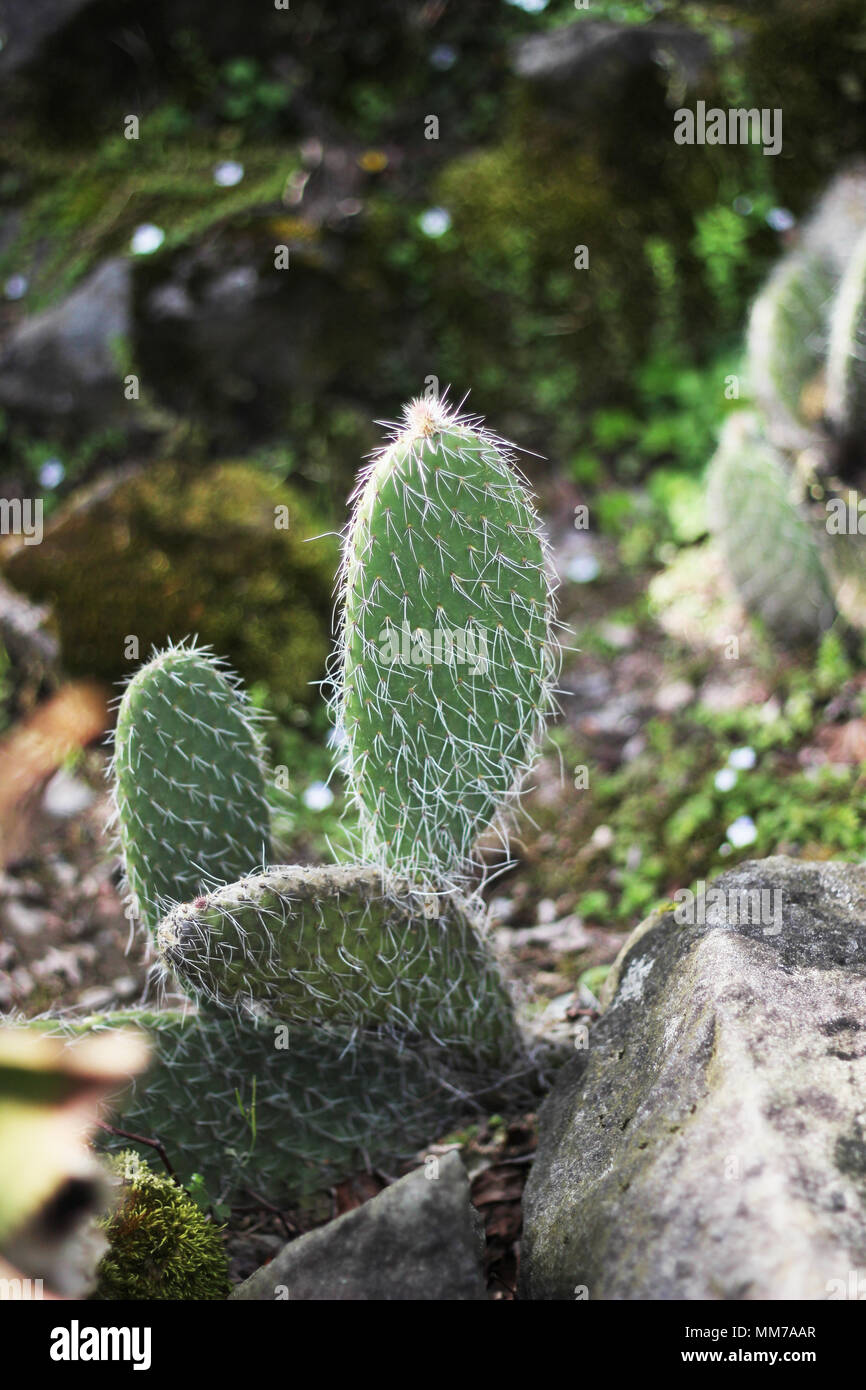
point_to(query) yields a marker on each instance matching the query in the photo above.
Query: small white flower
(228, 173)
(725, 780)
(435, 222)
(743, 832)
(52, 473)
(146, 239)
(16, 287)
(742, 759)
(318, 796)
(583, 569)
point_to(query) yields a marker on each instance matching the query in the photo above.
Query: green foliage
(161, 1244)
(667, 813)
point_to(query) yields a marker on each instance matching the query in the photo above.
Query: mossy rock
(164, 553)
(161, 1244)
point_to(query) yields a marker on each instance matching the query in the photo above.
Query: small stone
(25, 921)
(419, 1240)
(674, 696)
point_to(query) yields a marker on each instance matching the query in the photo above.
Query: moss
(161, 1245)
(165, 554)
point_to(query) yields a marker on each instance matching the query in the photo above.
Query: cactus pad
(344, 946)
(768, 546)
(191, 808)
(447, 654)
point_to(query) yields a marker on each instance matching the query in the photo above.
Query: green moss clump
(161, 1245)
(166, 554)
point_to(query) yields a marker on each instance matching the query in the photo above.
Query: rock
(25, 28)
(161, 552)
(710, 1142)
(64, 361)
(583, 59)
(419, 1240)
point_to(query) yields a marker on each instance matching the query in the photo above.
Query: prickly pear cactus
(350, 947)
(190, 803)
(769, 547)
(787, 340)
(846, 357)
(447, 662)
(348, 1014)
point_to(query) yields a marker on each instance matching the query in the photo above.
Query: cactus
(787, 340)
(190, 803)
(785, 482)
(378, 974)
(768, 546)
(252, 1104)
(846, 356)
(446, 663)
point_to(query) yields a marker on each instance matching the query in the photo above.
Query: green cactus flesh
(351, 947)
(446, 646)
(191, 808)
(284, 1113)
(768, 546)
(846, 358)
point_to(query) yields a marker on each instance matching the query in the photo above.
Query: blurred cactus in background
(785, 484)
(347, 1013)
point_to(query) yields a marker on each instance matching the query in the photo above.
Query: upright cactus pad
(787, 340)
(447, 655)
(344, 946)
(846, 357)
(191, 808)
(769, 547)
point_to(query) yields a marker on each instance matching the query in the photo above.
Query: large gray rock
(710, 1143)
(418, 1240)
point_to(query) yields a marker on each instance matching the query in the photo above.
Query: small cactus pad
(446, 645)
(787, 338)
(846, 357)
(346, 946)
(191, 808)
(768, 546)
